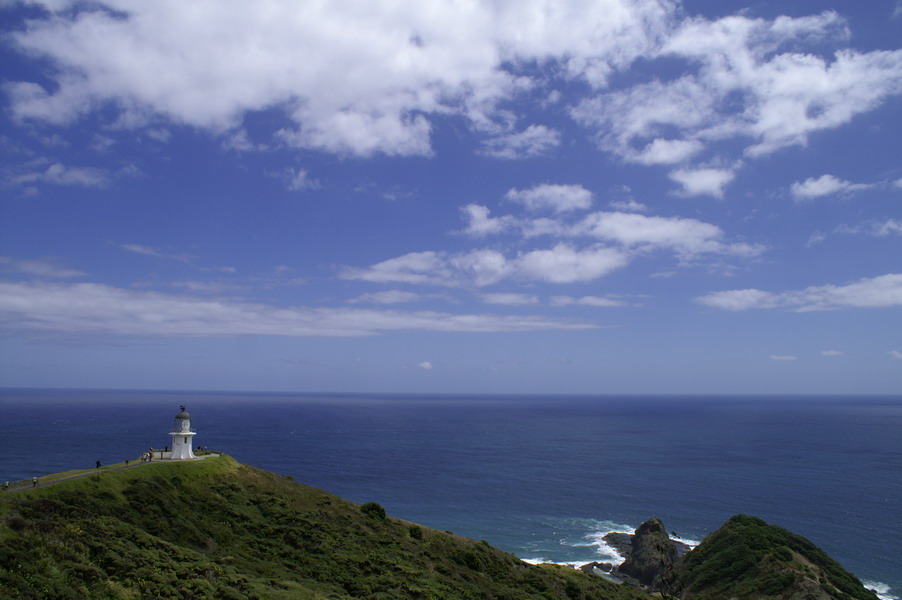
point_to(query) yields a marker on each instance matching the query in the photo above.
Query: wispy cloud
(59, 174)
(877, 292)
(783, 357)
(875, 228)
(510, 299)
(91, 308)
(535, 140)
(295, 179)
(155, 252)
(38, 268)
(595, 301)
(388, 297)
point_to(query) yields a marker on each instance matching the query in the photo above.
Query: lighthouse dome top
(184, 414)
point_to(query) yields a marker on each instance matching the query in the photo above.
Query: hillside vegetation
(749, 559)
(220, 529)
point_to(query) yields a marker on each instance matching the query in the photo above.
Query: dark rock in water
(623, 544)
(589, 567)
(651, 557)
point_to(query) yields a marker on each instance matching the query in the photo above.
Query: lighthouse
(182, 436)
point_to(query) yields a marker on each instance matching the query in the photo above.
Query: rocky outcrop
(592, 566)
(651, 557)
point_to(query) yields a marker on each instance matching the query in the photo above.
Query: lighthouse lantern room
(182, 436)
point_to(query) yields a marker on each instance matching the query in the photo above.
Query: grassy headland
(220, 529)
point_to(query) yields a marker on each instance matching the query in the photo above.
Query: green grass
(219, 529)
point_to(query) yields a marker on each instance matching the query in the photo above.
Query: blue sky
(583, 196)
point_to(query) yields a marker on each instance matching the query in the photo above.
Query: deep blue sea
(543, 477)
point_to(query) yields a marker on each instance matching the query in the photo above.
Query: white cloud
(415, 267)
(564, 264)
(544, 226)
(425, 366)
(556, 198)
(510, 299)
(634, 117)
(888, 227)
(754, 82)
(687, 237)
(559, 264)
(628, 205)
(766, 84)
(825, 185)
(481, 224)
(625, 234)
(877, 292)
(667, 152)
(831, 353)
(596, 301)
(400, 63)
(702, 182)
(739, 299)
(895, 354)
(90, 308)
(535, 140)
(482, 267)
(782, 357)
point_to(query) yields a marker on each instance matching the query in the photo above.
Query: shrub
(373, 510)
(416, 532)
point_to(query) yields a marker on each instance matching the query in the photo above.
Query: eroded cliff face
(651, 559)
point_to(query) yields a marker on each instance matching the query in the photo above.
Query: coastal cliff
(217, 529)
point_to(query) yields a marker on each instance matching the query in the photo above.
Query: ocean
(544, 477)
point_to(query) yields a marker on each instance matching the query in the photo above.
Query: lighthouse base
(181, 446)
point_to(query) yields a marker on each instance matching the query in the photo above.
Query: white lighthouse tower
(182, 436)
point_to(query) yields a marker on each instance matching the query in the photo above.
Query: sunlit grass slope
(220, 529)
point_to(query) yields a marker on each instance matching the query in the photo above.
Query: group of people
(149, 455)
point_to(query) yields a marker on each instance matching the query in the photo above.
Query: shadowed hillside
(747, 558)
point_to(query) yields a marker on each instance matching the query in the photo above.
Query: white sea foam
(609, 553)
(543, 561)
(689, 542)
(883, 591)
(605, 552)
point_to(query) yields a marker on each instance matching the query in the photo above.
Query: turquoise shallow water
(541, 476)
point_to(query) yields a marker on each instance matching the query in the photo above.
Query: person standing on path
(34, 482)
